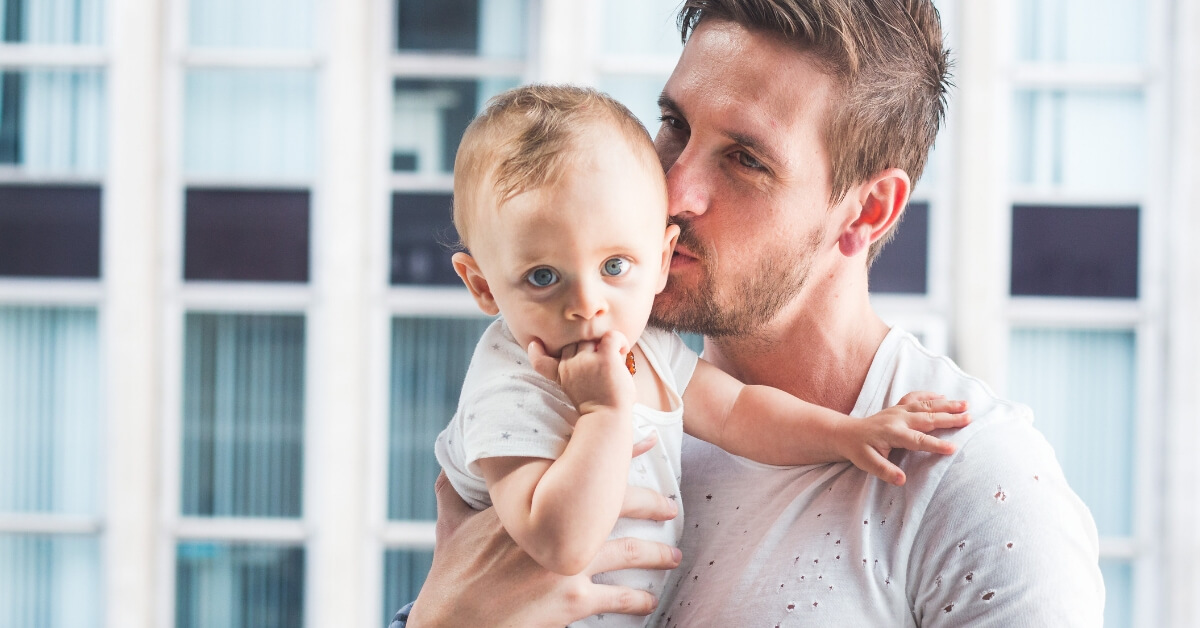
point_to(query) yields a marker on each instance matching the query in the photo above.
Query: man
(792, 133)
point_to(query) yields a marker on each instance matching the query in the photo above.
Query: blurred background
(229, 331)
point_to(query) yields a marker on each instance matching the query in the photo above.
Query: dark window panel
(11, 109)
(246, 235)
(50, 231)
(13, 22)
(903, 265)
(462, 100)
(1060, 251)
(423, 238)
(438, 26)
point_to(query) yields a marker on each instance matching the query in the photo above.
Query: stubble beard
(747, 303)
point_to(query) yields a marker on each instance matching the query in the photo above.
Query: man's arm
(481, 578)
(1004, 541)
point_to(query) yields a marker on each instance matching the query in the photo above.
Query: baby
(561, 203)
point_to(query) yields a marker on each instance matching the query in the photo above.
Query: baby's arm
(773, 427)
(561, 511)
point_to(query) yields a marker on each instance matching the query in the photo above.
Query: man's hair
(524, 139)
(889, 64)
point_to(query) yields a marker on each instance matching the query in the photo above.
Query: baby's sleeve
(677, 357)
(515, 415)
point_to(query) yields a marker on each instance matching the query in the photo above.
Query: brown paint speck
(987, 597)
(970, 576)
(949, 607)
(1009, 546)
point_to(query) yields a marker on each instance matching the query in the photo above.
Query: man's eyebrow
(666, 102)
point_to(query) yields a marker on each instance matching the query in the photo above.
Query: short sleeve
(518, 414)
(676, 357)
(1004, 540)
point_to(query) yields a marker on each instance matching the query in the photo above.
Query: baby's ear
(669, 240)
(468, 270)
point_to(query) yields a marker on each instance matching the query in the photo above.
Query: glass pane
(1081, 31)
(1075, 251)
(222, 585)
(903, 265)
(485, 28)
(49, 231)
(249, 123)
(1081, 386)
(641, 27)
(1091, 142)
(423, 238)
(49, 411)
(244, 235)
(50, 581)
(52, 21)
(404, 572)
(640, 94)
(1118, 593)
(429, 117)
(243, 415)
(429, 361)
(272, 24)
(52, 121)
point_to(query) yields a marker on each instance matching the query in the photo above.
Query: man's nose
(587, 301)
(687, 188)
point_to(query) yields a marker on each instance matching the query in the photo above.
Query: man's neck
(818, 348)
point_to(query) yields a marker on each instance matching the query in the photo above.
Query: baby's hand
(593, 374)
(867, 442)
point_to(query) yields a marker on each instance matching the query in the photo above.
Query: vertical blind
(52, 121)
(243, 415)
(49, 581)
(429, 361)
(221, 585)
(260, 24)
(52, 21)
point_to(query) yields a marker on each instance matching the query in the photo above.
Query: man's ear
(880, 202)
(669, 240)
(468, 270)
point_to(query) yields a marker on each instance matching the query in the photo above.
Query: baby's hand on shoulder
(593, 374)
(906, 425)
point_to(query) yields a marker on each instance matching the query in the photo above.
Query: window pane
(429, 362)
(486, 28)
(49, 411)
(249, 123)
(1090, 142)
(1118, 593)
(243, 415)
(1081, 31)
(52, 121)
(641, 27)
(640, 94)
(52, 21)
(1081, 386)
(1075, 251)
(222, 585)
(429, 117)
(404, 572)
(50, 581)
(244, 235)
(903, 265)
(422, 240)
(273, 24)
(49, 231)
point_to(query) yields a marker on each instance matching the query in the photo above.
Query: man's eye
(542, 277)
(746, 160)
(671, 121)
(616, 266)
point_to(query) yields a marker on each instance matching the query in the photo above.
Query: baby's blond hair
(523, 140)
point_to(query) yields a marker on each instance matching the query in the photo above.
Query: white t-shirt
(989, 536)
(508, 409)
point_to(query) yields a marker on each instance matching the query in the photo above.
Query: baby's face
(573, 260)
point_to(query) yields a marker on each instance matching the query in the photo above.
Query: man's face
(748, 179)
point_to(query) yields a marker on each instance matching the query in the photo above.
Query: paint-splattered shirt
(990, 536)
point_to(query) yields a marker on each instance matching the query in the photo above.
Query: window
(52, 154)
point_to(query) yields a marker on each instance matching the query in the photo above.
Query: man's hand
(867, 442)
(481, 578)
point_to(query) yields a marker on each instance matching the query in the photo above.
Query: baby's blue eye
(616, 266)
(542, 277)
